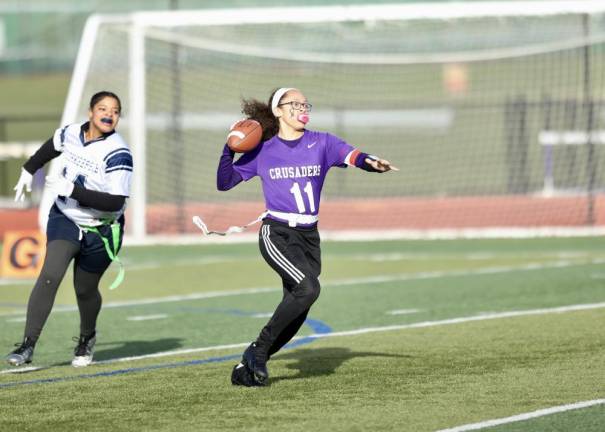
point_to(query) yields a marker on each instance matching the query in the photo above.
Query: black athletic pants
(59, 254)
(66, 242)
(294, 253)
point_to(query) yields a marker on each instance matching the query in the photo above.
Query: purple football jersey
(293, 172)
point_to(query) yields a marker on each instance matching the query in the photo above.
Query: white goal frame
(140, 22)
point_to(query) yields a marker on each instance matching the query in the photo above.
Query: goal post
(459, 97)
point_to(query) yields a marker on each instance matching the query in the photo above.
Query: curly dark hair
(261, 112)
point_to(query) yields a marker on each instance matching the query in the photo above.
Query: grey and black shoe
(241, 375)
(84, 350)
(23, 354)
(256, 360)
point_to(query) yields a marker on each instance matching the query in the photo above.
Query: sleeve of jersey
(43, 155)
(338, 152)
(118, 170)
(226, 176)
(59, 138)
(247, 164)
(342, 155)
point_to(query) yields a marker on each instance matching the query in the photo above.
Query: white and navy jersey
(103, 164)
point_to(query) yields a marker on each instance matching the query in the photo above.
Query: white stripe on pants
(279, 258)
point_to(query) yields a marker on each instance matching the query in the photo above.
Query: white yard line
(262, 315)
(402, 311)
(337, 283)
(458, 273)
(16, 281)
(374, 257)
(526, 416)
(167, 299)
(21, 370)
(460, 320)
(146, 317)
(479, 317)
(224, 259)
(215, 259)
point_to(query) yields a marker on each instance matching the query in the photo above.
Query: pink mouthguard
(303, 118)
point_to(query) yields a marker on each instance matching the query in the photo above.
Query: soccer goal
(472, 101)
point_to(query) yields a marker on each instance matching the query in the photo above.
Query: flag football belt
(294, 219)
(113, 254)
(197, 221)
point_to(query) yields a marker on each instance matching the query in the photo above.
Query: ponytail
(262, 113)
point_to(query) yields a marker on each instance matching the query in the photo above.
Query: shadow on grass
(322, 361)
(135, 348)
(120, 349)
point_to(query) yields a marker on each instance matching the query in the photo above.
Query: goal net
(494, 112)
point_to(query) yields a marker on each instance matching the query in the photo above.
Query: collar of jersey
(291, 143)
(84, 128)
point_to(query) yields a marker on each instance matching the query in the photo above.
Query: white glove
(25, 182)
(59, 185)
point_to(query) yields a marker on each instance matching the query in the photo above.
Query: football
(244, 135)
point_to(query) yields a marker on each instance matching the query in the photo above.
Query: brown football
(244, 135)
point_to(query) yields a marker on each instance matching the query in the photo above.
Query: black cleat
(23, 354)
(243, 376)
(84, 350)
(256, 361)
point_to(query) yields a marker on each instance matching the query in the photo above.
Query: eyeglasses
(298, 105)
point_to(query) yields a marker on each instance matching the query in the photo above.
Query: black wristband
(361, 163)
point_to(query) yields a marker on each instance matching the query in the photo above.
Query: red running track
(374, 214)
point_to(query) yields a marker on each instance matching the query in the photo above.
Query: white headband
(278, 95)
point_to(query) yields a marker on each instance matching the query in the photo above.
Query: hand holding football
(244, 135)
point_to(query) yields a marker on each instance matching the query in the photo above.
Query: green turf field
(411, 336)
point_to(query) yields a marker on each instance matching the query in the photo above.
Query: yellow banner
(22, 254)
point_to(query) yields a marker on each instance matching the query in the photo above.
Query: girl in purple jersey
(292, 163)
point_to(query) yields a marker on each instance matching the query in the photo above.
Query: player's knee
(49, 278)
(86, 293)
(86, 290)
(308, 290)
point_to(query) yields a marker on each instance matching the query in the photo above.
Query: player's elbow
(227, 180)
(223, 185)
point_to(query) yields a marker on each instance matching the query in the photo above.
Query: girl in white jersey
(92, 187)
(292, 162)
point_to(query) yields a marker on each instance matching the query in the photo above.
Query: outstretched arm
(226, 176)
(379, 165)
(371, 163)
(44, 154)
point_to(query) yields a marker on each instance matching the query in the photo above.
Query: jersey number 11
(295, 190)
